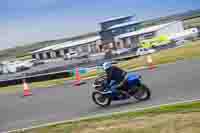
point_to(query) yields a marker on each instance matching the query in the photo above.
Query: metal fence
(36, 78)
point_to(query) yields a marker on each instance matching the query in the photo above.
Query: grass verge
(188, 51)
(178, 118)
(43, 84)
(34, 85)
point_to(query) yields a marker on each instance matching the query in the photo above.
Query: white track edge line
(101, 115)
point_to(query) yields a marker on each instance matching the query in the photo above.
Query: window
(93, 48)
(129, 30)
(34, 56)
(57, 53)
(41, 56)
(66, 51)
(48, 55)
(84, 48)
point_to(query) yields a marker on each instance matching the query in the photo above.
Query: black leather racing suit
(118, 75)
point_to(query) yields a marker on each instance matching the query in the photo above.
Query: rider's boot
(125, 93)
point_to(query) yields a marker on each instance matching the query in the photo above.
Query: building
(116, 33)
(115, 27)
(89, 44)
(132, 39)
(124, 32)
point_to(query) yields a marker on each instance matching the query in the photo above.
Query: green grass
(189, 51)
(93, 124)
(192, 22)
(26, 57)
(44, 84)
(34, 85)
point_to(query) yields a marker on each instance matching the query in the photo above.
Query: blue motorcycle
(103, 95)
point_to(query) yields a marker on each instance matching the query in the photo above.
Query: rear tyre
(100, 99)
(143, 93)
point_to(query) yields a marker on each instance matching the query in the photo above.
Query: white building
(132, 39)
(8, 67)
(86, 45)
(186, 34)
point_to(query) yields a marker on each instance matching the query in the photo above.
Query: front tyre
(100, 99)
(143, 93)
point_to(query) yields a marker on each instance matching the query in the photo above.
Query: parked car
(144, 51)
(121, 51)
(181, 41)
(70, 55)
(82, 55)
(37, 62)
(97, 56)
(22, 65)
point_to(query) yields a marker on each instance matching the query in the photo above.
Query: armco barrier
(36, 78)
(49, 74)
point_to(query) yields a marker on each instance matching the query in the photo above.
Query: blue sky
(26, 21)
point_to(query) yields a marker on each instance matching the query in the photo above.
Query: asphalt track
(169, 83)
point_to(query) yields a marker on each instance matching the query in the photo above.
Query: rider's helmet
(107, 65)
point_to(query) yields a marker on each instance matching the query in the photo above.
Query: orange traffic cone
(78, 78)
(27, 91)
(151, 66)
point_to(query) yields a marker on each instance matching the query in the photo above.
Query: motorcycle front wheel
(100, 99)
(143, 93)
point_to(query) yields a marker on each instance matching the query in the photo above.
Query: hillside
(21, 51)
(189, 15)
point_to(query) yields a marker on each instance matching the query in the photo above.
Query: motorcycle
(103, 95)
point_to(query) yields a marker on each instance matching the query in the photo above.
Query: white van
(144, 51)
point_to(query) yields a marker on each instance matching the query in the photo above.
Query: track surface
(169, 83)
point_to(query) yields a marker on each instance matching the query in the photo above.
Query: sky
(27, 21)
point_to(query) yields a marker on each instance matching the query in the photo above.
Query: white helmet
(107, 65)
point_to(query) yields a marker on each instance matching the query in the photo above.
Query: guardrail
(43, 77)
(48, 74)
(128, 57)
(36, 78)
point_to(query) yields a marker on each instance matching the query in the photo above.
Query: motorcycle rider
(118, 75)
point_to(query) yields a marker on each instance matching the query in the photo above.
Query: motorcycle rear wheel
(102, 100)
(143, 93)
